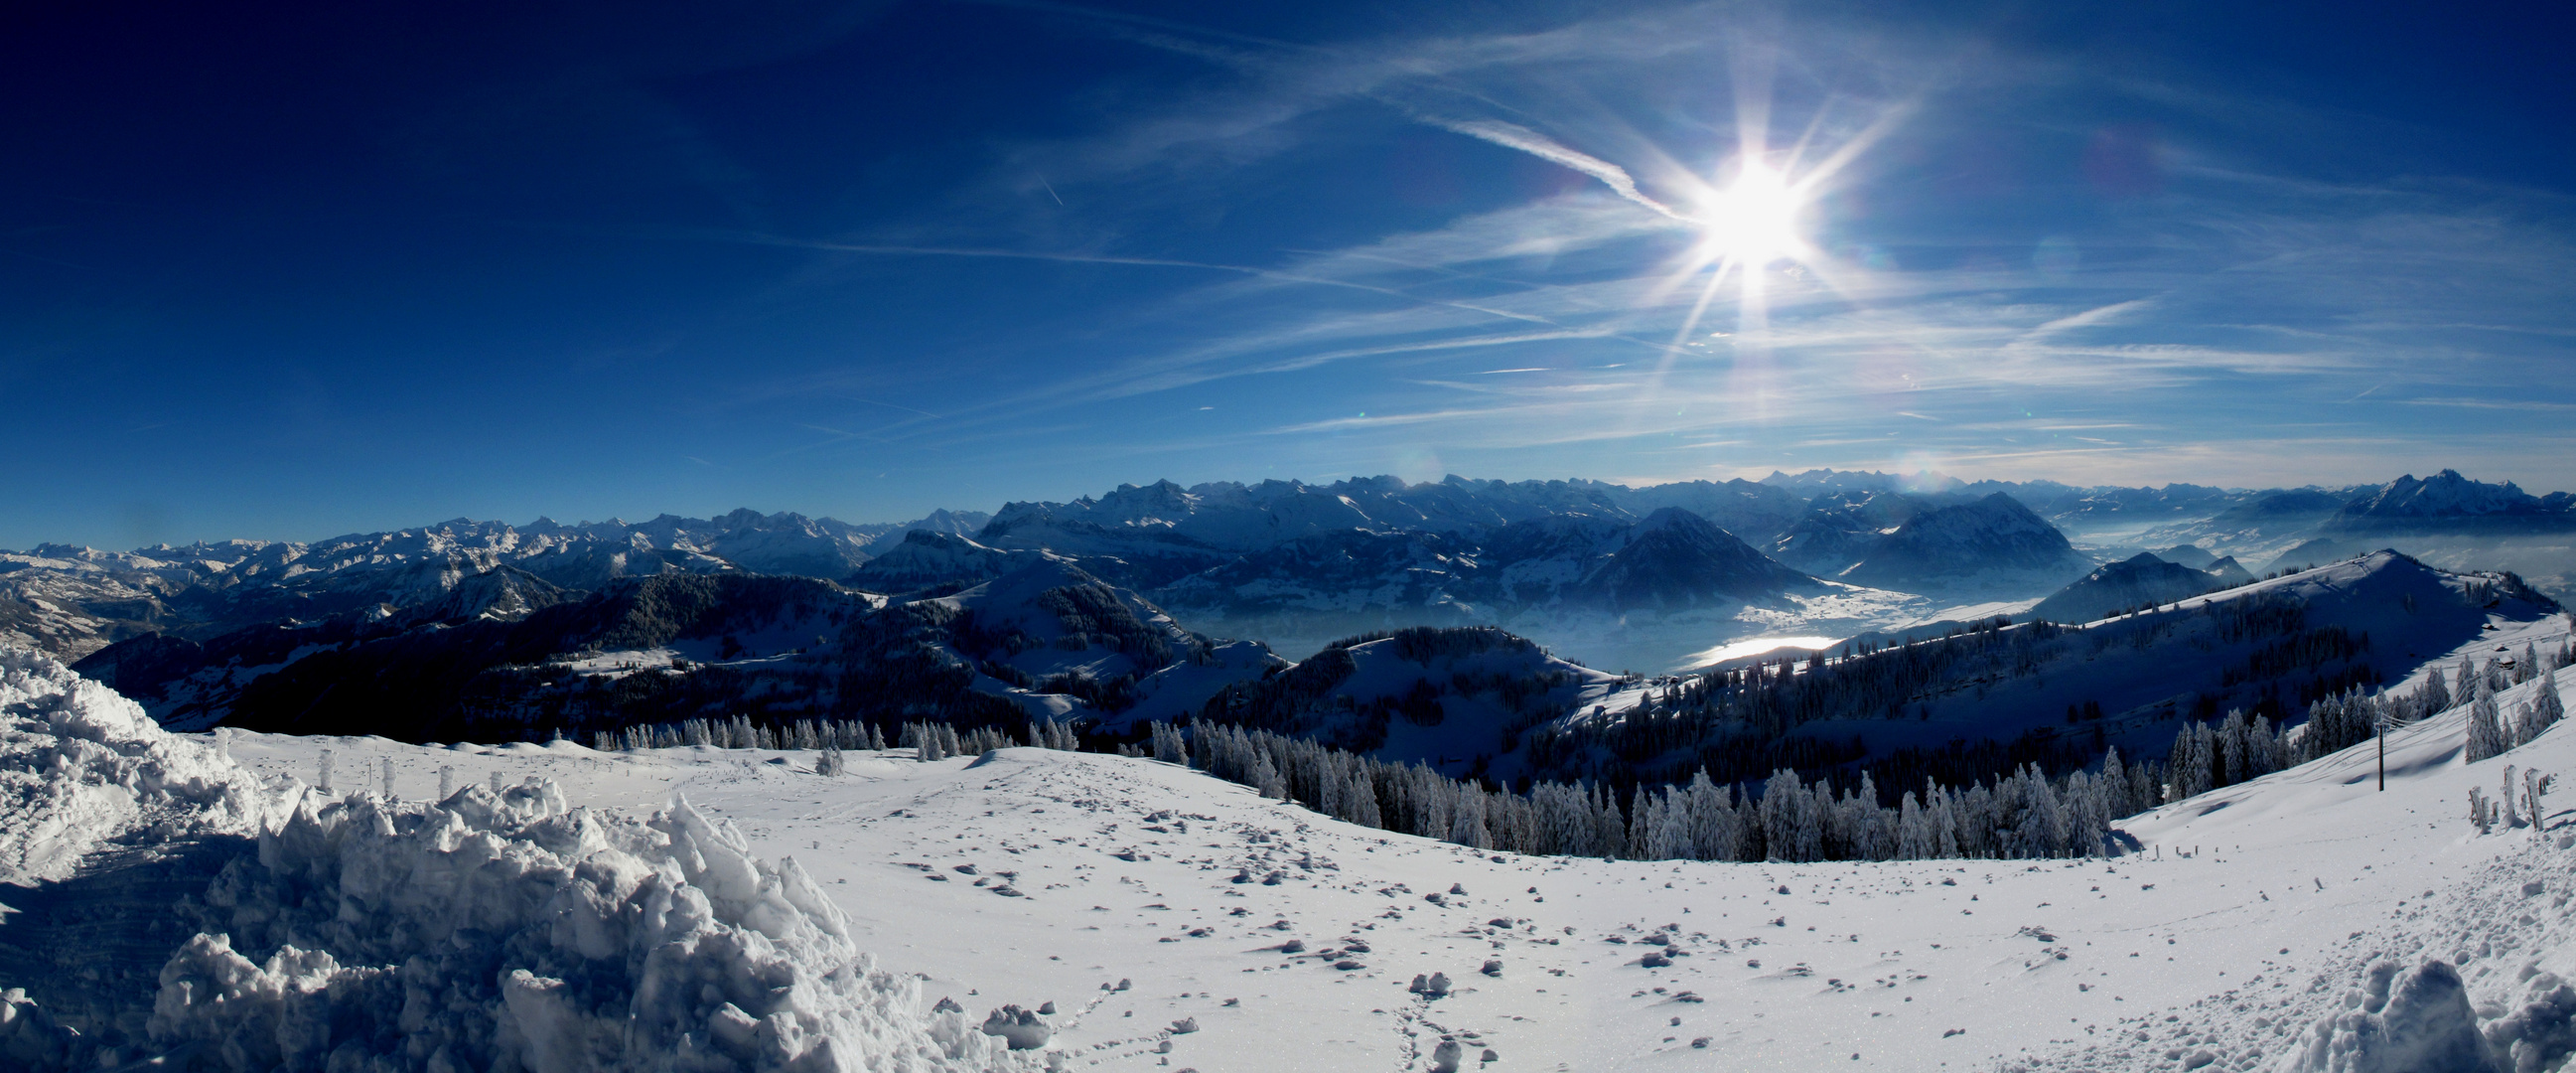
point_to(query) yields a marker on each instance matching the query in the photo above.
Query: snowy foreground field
(1175, 921)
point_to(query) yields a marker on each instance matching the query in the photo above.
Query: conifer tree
(1265, 777)
(1610, 839)
(2485, 729)
(2546, 708)
(2435, 697)
(1914, 839)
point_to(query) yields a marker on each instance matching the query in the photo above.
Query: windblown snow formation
(81, 767)
(489, 931)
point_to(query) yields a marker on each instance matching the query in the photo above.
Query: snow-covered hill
(1993, 544)
(923, 559)
(1455, 701)
(1672, 582)
(1123, 913)
(2139, 581)
(2269, 648)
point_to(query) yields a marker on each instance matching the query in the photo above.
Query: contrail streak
(1511, 136)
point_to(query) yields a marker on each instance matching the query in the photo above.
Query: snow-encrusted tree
(2190, 762)
(1168, 746)
(1611, 829)
(1791, 828)
(1363, 801)
(2486, 729)
(2529, 720)
(1914, 837)
(1265, 776)
(2436, 694)
(2232, 766)
(1467, 819)
(1661, 822)
(1716, 828)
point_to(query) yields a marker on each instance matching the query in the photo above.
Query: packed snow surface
(1118, 913)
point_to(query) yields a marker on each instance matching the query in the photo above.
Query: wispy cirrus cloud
(2065, 327)
(1514, 136)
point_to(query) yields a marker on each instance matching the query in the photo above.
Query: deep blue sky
(278, 270)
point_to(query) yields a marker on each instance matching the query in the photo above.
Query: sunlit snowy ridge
(617, 911)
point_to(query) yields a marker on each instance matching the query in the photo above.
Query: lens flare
(1753, 221)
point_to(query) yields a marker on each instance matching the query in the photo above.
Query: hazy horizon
(638, 517)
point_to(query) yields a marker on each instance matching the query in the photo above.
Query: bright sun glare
(1754, 220)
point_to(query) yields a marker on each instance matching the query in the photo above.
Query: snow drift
(509, 932)
(489, 931)
(82, 768)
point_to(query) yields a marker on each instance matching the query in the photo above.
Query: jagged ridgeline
(1977, 701)
(1046, 641)
(2022, 812)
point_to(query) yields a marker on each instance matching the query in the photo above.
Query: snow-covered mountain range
(1045, 640)
(1295, 565)
(73, 601)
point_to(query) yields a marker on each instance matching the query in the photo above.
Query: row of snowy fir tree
(2024, 814)
(931, 741)
(740, 732)
(2492, 731)
(2206, 757)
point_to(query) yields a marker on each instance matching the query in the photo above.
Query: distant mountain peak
(2449, 501)
(1993, 540)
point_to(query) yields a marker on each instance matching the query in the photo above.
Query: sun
(1753, 220)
